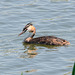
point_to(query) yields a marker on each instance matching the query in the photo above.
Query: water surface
(50, 17)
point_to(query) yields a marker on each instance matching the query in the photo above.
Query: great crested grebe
(47, 40)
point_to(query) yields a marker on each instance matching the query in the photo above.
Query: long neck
(33, 31)
(29, 37)
(32, 35)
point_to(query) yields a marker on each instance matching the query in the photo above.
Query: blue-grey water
(50, 17)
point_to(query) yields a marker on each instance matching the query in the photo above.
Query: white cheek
(29, 29)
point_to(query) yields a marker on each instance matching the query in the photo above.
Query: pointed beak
(23, 32)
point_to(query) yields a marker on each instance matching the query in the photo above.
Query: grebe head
(28, 27)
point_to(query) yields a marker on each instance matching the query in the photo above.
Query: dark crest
(25, 28)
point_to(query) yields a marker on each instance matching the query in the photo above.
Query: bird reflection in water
(31, 50)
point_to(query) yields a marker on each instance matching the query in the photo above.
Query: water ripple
(50, 17)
